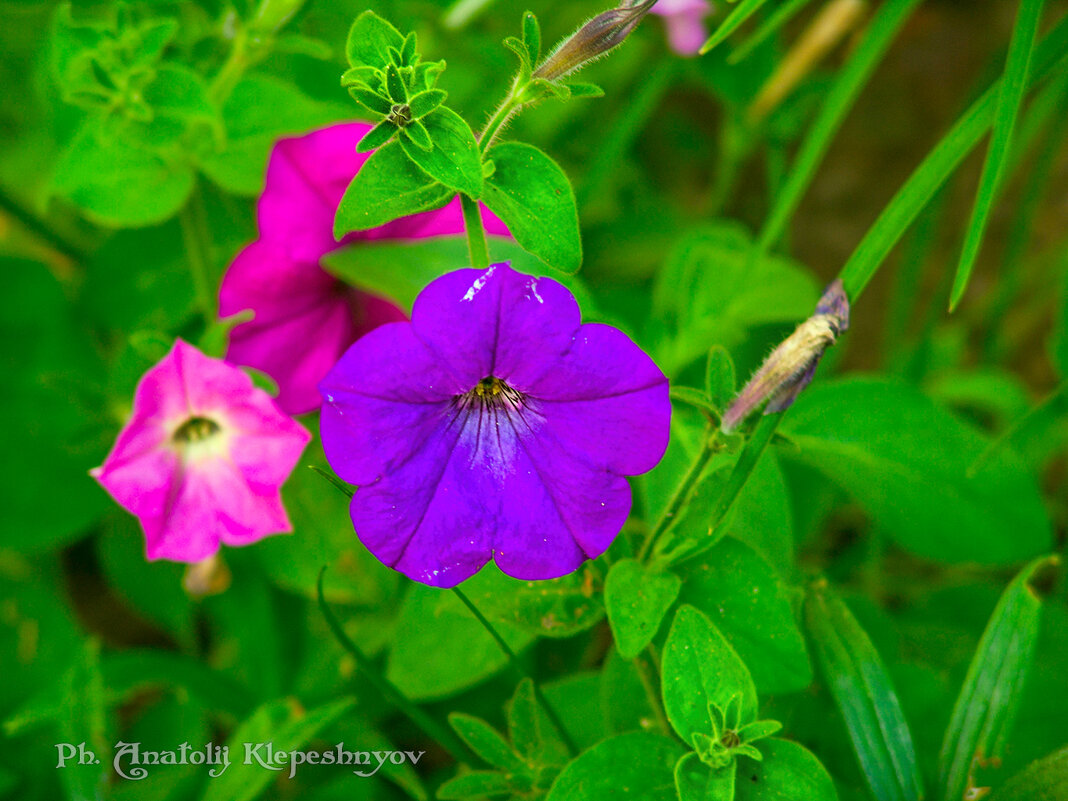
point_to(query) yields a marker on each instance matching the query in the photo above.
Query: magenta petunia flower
(304, 318)
(202, 458)
(685, 23)
(493, 425)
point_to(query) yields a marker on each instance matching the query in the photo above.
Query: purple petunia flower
(493, 425)
(304, 317)
(202, 458)
(685, 23)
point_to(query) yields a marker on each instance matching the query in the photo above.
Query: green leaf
(1010, 97)
(435, 622)
(1045, 779)
(549, 608)
(454, 160)
(585, 90)
(533, 735)
(532, 37)
(737, 17)
(701, 668)
(259, 111)
(936, 168)
(387, 187)
(907, 460)
(696, 781)
(748, 602)
(484, 740)
(788, 772)
(986, 708)
(625, 705)
(712, 291)
(720, 381)
(84, 720)
(369, 40)
(115, 181)
(637, 766)
(181, 94)
(533, 197)
(376, 137)
(416, 133)
(865, 696)
(287, 728)
(425, 102)
(636, 599)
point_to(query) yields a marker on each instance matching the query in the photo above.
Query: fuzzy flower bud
(790, 367)
(594, 39)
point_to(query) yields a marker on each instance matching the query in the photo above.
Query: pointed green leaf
(476, 784)
(485, 741)
(388, 186)
(454, 159)
(84, 719)
(983, 716)
(369, 40)
(533, 197)
(416, 133)
(636, 599)
(700, 667)
(737, 17)
(532, 37)
(585, 90)
(696, 781)
(372, 101)
(532, 733)
(425, 102)
(720, 381)
(376, 137)
(1010, 97)
(398, 92)
(865, 696)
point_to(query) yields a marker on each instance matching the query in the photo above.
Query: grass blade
(939, 164)
(880, 33)
(783, 14)
(862, 690)
(986, 707)
(744, 11)
(1010, 96)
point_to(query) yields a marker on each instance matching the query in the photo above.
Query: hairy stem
(198, 255)
(476, 233)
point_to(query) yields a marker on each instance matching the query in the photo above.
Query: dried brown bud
(594, 39)
(790, 367)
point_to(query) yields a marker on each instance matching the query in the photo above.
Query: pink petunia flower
(202, 458)
(685, 23)
(305, 318)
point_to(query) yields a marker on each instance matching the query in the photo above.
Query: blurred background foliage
(674, 171)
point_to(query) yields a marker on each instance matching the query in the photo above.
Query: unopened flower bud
(594, 39)
(790, 367)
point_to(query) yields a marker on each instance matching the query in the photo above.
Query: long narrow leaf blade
(1010, 97)
(880, 34)
(986, 707)
(744, 11)
(862, 690)
(779, 17)
(936, 168)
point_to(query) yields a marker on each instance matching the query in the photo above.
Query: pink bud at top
(685, 23)
(790, 367)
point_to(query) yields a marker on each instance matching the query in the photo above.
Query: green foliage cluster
(862, 598)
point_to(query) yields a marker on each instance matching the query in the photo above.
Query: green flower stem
(30, 221)
(512, 103)
(476, 234)
(232, 69)
(434, 729)
(197, 240)
(647, 673)
(682, 492)
(518, 669)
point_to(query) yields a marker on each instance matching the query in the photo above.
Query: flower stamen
(195, 429)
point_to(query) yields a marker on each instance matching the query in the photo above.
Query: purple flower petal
(494, 425)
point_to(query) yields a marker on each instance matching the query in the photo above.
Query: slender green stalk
(237, 61)
(431, 727)
(1010, 98)
(198, 255)
(778, 18)
(30, 221)
(647, 674)
(513, 660)
(745, 9)
(476, 233)
(463, 11)
(510, 105)
(682, 492)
